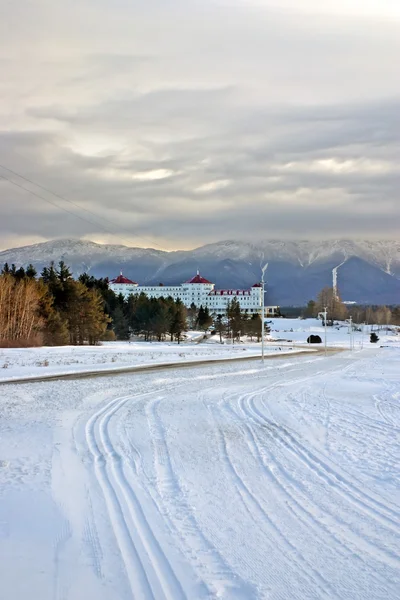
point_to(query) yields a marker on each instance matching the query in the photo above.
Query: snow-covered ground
(298, 330)
(19, 363)
(232, 481)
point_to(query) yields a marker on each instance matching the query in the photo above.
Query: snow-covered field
(297, 331)
(27, 362)
(19, 363)
(236, 481)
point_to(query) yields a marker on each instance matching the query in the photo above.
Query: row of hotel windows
(215, 300)
(212, 300)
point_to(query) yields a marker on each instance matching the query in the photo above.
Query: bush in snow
(373, 338)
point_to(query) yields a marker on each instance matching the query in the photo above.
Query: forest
(55, 309)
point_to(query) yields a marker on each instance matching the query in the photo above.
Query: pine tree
(311, 309)
(56, 331)
(220, 327)
(20, 273)
(204, 319)
(31, 272)
(178, 321)
(234, 318)
(86, 319)
(159, 320)
(120, 324)
(256, 326)
(192, 314)
(141, 317)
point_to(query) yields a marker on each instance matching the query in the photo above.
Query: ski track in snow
(134, 535)
(234, 483)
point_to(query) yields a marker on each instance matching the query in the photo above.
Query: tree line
(164, 318)
(53, 308)
(56, 309)
(338, 311)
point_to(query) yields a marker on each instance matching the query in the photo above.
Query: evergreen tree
(192, 314)
(220, 327)
(86, 319)
(120, 324)
(178, 322)
(129, 309)
(255, 325)
(55, 331)
(311, 310)
(141, 317)
(204, 319)
(159, 320)
(234, 318)
(20, 273)
(50, 278)
(31, 272)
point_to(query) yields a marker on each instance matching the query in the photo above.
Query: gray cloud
(186, 125)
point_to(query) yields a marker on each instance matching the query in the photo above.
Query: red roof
(122, 279)
(198, 279)
(257, 285)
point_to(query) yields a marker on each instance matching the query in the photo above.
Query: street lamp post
(264, 268)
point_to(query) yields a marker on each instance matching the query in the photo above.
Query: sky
(173, 124)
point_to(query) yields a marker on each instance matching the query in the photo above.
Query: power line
(97, 224)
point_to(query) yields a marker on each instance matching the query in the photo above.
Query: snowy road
(234, 481)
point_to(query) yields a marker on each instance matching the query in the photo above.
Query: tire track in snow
(291, 489)
(385, 408)
(165, 574)
(135, 571)
(215, 573)
(337, 483)
(373, 506)
(138, 545)
(292, 554)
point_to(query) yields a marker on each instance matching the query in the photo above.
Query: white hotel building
(198, 291)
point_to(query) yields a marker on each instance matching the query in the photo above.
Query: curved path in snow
(232, 481)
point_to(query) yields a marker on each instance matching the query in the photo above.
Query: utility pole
(263, 269)
(350, 322)
(351, 333)
(324, 315)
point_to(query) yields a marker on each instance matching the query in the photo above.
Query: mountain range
(297, 270)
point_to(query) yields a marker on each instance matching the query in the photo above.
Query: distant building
(198, 291)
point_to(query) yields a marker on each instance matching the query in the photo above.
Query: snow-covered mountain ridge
(384, 254)
(369, 271)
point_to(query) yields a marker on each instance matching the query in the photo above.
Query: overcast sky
(183, 123)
